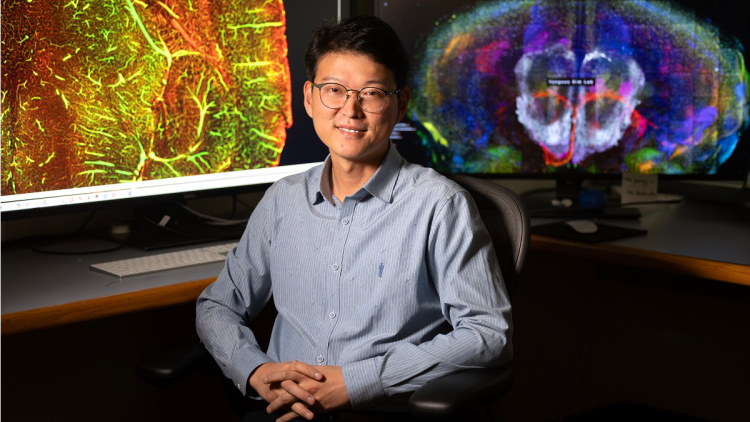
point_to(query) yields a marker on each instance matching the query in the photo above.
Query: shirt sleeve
(240, 292)
(464, 269)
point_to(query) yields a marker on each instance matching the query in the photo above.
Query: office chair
(442, 399)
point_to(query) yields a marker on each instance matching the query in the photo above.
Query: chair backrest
(507, 221)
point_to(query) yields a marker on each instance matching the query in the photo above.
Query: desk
(692, 238)
(696, 239)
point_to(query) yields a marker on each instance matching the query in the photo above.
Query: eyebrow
(367, 83)
(331, 78)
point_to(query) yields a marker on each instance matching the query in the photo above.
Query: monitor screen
(103, 101)
(589, 88)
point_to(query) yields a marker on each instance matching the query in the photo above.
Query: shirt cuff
(244, 363)
(363, 383)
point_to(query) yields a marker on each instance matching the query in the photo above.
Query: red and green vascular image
(101, 92)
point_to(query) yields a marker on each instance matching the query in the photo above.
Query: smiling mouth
(349, 130)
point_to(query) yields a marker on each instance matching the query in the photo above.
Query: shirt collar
(325, 183)
(383, 182)
(380, 185)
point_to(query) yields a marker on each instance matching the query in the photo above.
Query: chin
(351, 155)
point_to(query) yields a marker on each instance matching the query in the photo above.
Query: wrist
(255, 380)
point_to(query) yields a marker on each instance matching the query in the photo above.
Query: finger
(308, 370)
(289, 397)
(291, 375)
(303, 412)
(282, 401)
(298, 367)
(284, 375)
(274, 391)
(287, 417)
(298, 392)
(298, 410)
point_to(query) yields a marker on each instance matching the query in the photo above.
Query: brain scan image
(113, 91)
(592, 86)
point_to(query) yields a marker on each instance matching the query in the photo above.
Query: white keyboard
(164, 261)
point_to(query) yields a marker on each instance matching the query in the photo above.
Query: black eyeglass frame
(385, 93)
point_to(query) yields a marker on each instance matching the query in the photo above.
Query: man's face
(351, 134)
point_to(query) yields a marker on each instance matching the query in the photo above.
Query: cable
(40, 249)
(243, 203)
(86, 222)
(213, 220)
(234, 206)
(167, 229)
(186, 234)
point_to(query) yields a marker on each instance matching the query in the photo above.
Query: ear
(403, 102)
(308, 97)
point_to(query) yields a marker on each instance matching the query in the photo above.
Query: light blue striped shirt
(398, 284)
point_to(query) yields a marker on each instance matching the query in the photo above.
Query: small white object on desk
(583, 226)
(638, 188)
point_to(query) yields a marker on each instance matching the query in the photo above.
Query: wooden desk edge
(86, 310)
(657, 261)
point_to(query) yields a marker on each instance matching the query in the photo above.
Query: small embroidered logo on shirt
(380, 272)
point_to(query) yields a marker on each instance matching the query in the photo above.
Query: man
(381, 271)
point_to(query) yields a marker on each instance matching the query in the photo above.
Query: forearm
(240, 292)
(224, 310)
(231, 343)
(406, 367)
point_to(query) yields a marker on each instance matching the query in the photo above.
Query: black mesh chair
(447, 398)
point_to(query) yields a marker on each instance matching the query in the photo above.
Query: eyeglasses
(334, 96)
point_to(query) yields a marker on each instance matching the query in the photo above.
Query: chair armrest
(447, 397)
(169, 365)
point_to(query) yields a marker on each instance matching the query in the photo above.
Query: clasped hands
(298, 389)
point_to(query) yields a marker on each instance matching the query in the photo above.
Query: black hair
(365, 35)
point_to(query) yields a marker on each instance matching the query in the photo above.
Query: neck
(348, 177)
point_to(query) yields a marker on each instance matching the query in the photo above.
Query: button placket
(346, 213)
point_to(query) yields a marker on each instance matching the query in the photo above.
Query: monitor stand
(182, 229)
(149, 240)
(540, 204)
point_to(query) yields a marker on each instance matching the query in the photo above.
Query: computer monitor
(132, 102)
(576, 89)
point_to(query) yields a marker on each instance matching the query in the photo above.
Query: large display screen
(115, 99)
(594, 87)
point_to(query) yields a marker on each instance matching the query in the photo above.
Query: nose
(351, 107)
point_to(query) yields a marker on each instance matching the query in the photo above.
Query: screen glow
(97, 94)
(599, 87)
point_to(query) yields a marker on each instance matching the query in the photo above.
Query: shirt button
(320, 359)
(332, 315)
(335, 267)
(345, 221)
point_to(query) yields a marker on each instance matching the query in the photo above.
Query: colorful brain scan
(596, 86)
(100, 92)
